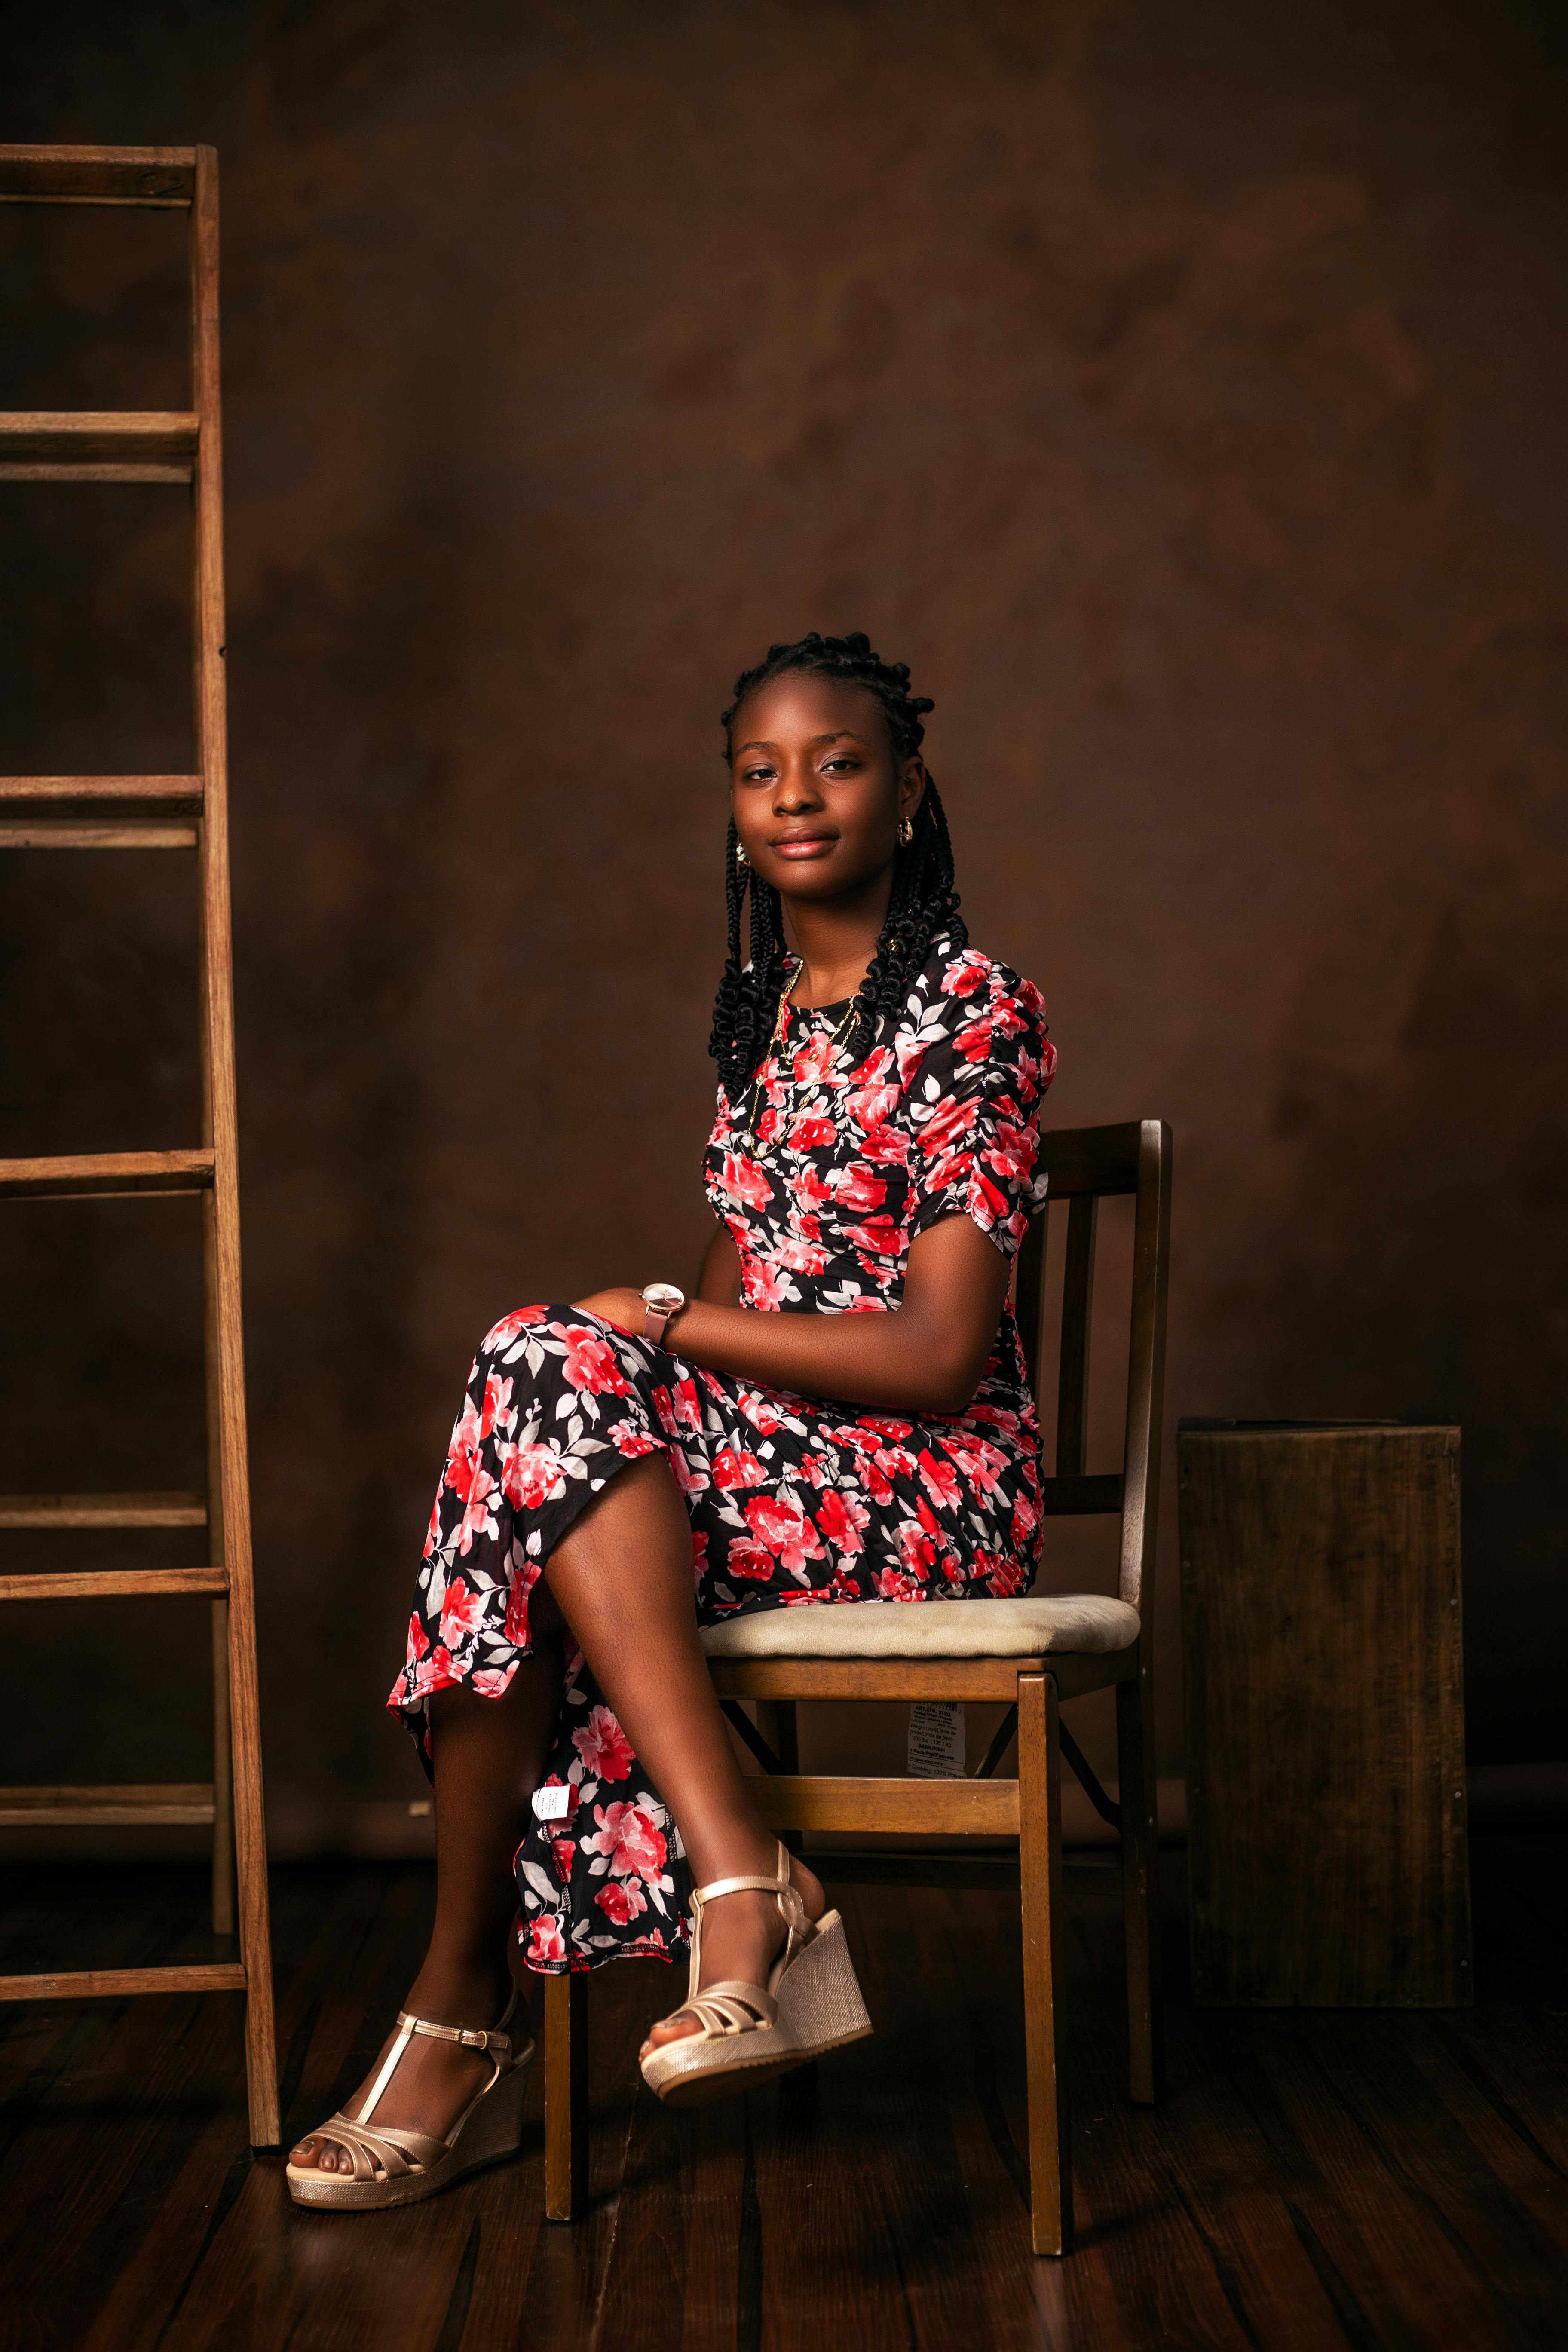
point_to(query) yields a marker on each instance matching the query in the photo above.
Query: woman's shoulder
(971, 1020)
(969, 986)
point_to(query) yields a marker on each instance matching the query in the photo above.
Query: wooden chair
(1035, 1653)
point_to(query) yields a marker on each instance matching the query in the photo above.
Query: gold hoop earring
(740, 856)
(906, 831)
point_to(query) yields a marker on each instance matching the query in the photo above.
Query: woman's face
(817, 799)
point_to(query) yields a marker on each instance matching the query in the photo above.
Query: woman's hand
(720, 1282)
(624, 1308)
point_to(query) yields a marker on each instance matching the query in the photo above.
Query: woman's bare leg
(623, 1580)
(490, 1756)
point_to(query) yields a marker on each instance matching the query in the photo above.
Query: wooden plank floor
(1315, 2180)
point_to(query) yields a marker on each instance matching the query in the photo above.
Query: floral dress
(824, 1174)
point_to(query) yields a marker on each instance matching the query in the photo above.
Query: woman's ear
(912, 785)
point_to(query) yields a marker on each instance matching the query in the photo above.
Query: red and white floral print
(604, 1746)
(531, 1475)
(629, 1839)
(793, 1501)
(546, 1944)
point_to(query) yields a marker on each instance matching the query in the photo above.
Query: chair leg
(776, 1722)
(1140, 1884)
(1040, 1867)
(223, 1780)
(565, 2097)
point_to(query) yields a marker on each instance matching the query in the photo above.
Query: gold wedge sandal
(394, 2165)
(749, 2034)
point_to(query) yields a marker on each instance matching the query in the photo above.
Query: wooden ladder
(175, 813)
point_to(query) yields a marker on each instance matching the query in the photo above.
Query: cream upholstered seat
(1088, 1623)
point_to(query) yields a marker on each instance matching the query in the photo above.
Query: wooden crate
(1322, 1648)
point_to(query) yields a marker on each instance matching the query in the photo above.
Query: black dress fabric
(824, 1174)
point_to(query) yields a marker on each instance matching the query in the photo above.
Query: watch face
(664, 1298)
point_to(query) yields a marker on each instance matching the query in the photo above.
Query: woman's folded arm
(926, 1356)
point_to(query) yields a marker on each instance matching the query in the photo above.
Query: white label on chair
(936, 1739)
(552, 1804)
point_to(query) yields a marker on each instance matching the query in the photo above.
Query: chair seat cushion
(929, 1629)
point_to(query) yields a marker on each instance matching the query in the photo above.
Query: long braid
(922, 901)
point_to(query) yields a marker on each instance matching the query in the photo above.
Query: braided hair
(922, 902)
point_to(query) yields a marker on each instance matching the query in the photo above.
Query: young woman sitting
(840, 1414)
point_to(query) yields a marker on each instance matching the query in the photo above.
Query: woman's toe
(673, 2029)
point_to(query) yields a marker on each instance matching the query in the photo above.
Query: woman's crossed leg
(621, 1580)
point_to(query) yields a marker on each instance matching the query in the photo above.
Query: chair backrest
(1086, 1165)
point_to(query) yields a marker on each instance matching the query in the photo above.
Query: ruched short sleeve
(976, 1062)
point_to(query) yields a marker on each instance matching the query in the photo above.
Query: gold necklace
(772, 1043)
(785, 995)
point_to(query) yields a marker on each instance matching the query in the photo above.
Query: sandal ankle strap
(490, 2039)
(792, 1907)
(472, 2037)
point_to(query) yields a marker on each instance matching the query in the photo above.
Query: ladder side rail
(226, 1365)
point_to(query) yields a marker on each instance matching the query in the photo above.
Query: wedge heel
(749, 2033)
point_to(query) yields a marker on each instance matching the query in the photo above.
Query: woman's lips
(812, 845)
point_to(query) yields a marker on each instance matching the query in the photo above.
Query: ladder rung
(149, 1510)
(159, 176)
(105, 1984)
(164, 1805)
(94, 445)
(107, 795)
(112, 1583)
(111, 1172)
(57, 833)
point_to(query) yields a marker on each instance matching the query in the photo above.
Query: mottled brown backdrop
(1180, 389)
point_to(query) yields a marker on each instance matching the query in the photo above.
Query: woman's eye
(839, 766)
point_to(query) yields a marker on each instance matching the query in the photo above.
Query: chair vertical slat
(1078, 1288)
(1146, 1368)
(1029, 1298)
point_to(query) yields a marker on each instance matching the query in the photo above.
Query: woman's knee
(505, 1335)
